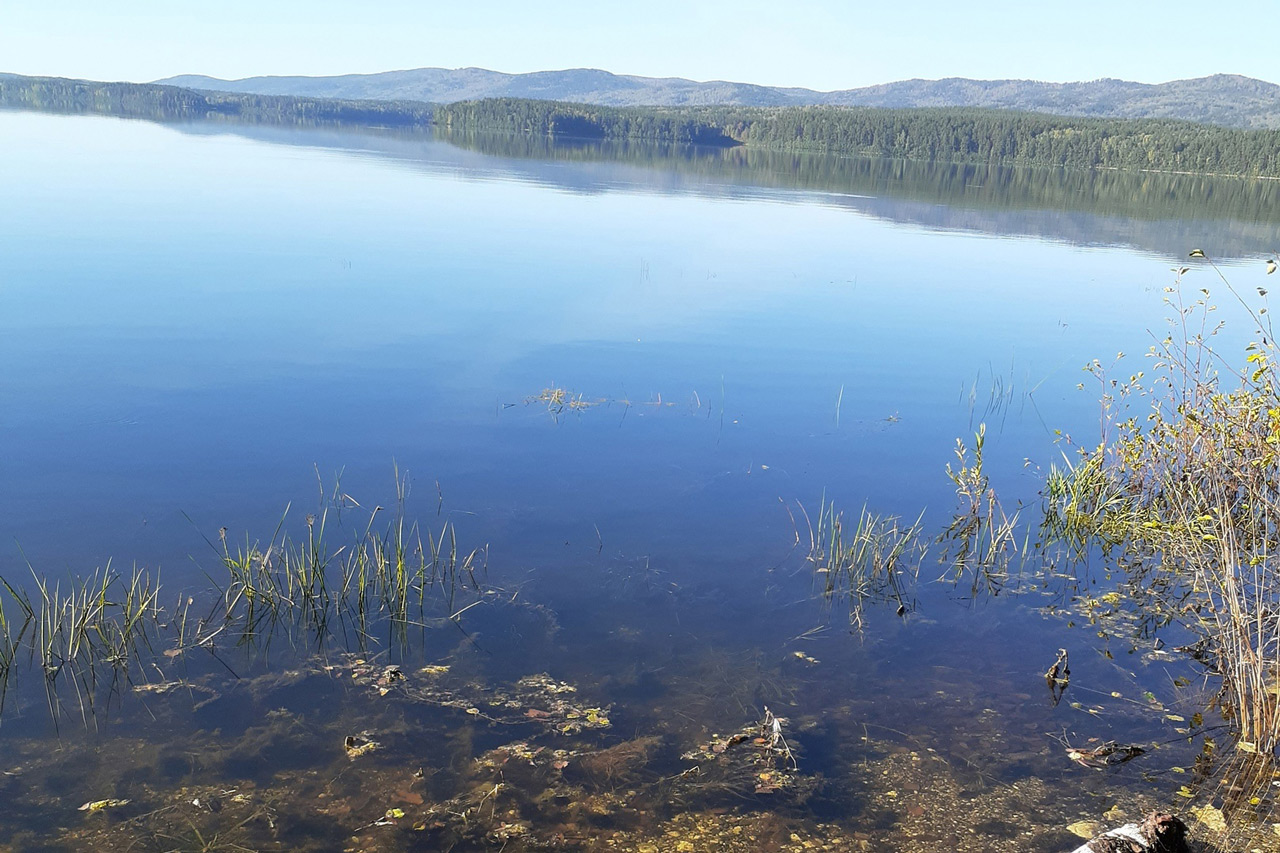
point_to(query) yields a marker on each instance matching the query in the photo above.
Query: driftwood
(1158, 833)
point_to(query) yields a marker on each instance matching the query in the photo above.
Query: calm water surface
(203, 325)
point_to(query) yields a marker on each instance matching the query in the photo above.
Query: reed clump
(71, 629)
(874, 557)
(1185, 487)
(99, 617)
(79, 629)
(981, 540)
(388, 573)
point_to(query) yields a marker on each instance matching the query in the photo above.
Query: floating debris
(391, 676)
(1058, 677)
(100, 805)
(361, 744)
(389, 817)
(1085, 828)
(765, 764)
(164, 688)
(1108, 754)
(533, 699)
(1211, 817)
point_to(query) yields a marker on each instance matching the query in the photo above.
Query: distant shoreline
(971, 136)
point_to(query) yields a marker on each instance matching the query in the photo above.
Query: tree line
(975, 136)
(936, 134)
(173, 103)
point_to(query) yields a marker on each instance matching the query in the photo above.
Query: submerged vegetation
(981, 539)
(352, 744)
(512, 758)
(388, 571)
(1181, 497)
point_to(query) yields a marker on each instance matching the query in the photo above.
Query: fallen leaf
(1211, 817)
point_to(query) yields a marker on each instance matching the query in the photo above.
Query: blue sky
(813, 43)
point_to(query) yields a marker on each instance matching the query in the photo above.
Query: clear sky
(820, 44)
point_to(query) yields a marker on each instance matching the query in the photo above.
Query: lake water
(630, 373)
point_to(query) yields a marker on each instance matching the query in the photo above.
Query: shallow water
(202, 325)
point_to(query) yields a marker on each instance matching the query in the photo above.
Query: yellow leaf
(1211, 817)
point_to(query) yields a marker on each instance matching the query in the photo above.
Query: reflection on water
(1149, 211)
(1153, 212)
(626, 371)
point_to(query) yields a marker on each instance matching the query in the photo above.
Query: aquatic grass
(78, 629)
(1083, 506)
(379, 574)
(982, 538)
(878, 556)
(993, 399)
(12, 631)
(559, 400)
(1242, 593)
(101, 617)
(6, 642)
(74, 629)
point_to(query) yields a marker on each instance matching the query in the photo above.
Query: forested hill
(961, 135)
(170, 103)
(957, 135)
(1223, 99)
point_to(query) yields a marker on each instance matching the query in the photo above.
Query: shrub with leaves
(1184, 488)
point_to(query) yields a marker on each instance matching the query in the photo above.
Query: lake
(627, 378)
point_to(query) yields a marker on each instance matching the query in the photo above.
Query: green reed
(99, 618)
(876, 556)
(375, 574)
(74, 628)
(79, 628)
(982, 538)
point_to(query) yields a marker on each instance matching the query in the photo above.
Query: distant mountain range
(1222, 99)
